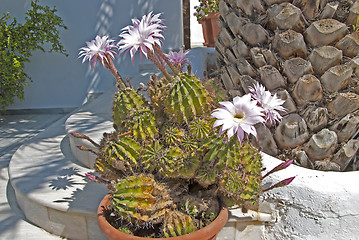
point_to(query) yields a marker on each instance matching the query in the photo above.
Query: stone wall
(300, 53)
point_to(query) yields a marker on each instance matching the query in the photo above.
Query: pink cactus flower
(271, 104)
(238, 117)
(281, 166)
(99, 49)
(178, 58)
(142, 35)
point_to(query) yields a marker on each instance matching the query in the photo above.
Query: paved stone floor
(14, 131)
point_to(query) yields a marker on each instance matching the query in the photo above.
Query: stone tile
(68, 225)
(39, 149)
(93, 229)
(22, 125)
(5, 159)
(12, 220)
(11, 142)
(228, 232)
(34, 212)
(249, 230)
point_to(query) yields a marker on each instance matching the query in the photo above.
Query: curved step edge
(51, 189)
(92, 119)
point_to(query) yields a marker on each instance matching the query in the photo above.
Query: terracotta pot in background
(210, 29)
(207, 233)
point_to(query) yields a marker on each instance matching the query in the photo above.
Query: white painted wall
(64, 82)
(317, 205)
(196, 28)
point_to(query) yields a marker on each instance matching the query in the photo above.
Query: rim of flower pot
(209, 16)
(208, 232)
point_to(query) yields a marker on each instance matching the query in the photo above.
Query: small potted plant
(169, 172)
(207, 14)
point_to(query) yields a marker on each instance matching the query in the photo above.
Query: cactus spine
(125, 100)
(119, 153)
(142, 124)
(177, 224)
(187, 98)
(140, 200)
(161, 159)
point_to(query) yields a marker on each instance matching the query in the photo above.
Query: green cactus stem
(126, 100)
(173, 135)
(206, 175)
(160, 159)
(177, 223)
(187, 98)
(240, 178)
(120, 153)
(188, 165)
(200, 128)
(189, 144)
(142, 124)
(140, 200)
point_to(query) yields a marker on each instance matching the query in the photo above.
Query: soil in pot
(109, 224)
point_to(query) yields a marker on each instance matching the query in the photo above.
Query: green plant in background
(164, 164)
(205, 8)
(18, 41)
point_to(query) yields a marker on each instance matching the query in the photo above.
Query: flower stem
(153, 58)
(110, 66)
(160, 55)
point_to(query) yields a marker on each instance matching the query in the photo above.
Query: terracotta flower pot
(207, 233)
(210, 29)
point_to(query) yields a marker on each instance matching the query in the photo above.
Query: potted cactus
(169, 171)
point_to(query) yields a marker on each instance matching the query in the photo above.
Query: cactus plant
(187, 98)
(126, 100)
(139, 199)
(177, 224)
(142, 124)
(117, 153)
(164, 152)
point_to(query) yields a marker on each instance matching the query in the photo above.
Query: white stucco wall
(196, 28)
(317, 205)
(64, 82)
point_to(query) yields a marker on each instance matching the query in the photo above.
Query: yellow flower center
(238, 118)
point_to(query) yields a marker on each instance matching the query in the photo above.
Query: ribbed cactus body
(126, 100)
(161, 159)
(118, 153)
(187, 98)
(173, 135)
(208, 153)
(140, 200)
(189, 143)
(206, 175)
(200, 128)
(177, 223)
(142, 124)
(241, 176)
(235, 167)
